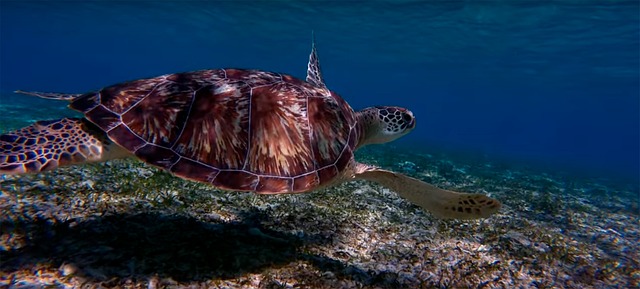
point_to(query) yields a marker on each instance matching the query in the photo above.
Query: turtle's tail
(51, 95)
(47, 145)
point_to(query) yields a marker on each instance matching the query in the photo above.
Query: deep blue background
(555, 83)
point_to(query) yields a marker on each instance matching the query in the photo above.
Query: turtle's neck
(368, 126)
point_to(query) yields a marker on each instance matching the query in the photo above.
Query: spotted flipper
(47, 145)
(441, 203)
(314, 75)
(51, 95)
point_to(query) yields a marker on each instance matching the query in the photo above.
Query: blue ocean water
(552, 83)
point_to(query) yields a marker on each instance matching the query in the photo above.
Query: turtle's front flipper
(439, 202)
(51, 95)
(46, 145)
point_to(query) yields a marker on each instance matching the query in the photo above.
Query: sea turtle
(236, 129)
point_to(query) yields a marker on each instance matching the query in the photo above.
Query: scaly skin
(47, 145)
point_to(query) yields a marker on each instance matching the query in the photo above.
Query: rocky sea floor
(122, 224)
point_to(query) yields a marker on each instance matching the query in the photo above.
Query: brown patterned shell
(242, 130)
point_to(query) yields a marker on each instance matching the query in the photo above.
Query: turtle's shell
(243, 130)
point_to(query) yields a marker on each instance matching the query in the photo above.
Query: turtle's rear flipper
(441, 203)
(47, 145)
(51, 95)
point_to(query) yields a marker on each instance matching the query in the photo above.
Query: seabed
(123, 224)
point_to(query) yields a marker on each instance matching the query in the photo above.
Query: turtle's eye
(409, 120)
(407, 117)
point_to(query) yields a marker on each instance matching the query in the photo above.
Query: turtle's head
(381, 124)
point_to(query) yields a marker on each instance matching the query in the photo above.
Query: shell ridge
(136, 135)
(249, 132)
(186, 120)
(245, 171)
(310, 133)
(174, 164)
(327, 166)
(98, 101)
(344, 150)
(163, 163)
(255, 185)
(107, 109)
(199, 162)
(212, 179)
(280, 78)
(346, 145)
(144, 97)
